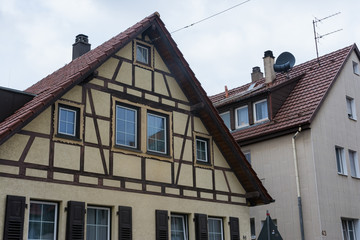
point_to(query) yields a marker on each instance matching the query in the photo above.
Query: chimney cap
(82, 38)
(256, 69)
(268, 53)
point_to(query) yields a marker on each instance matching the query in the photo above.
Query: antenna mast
(317, 36)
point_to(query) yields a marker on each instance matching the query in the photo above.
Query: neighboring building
(307, 115)
(122, 143)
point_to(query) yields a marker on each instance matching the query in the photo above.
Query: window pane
(226, 118)
(201, 150)
(67, 121)
(42, 220)
(34, 230)
(90, 232)
(156, 133)
(102, 232)
(142, 54)
(97, 223)
(215, 229)
(91, 216)
(242, 117)
(47, 231)
(126, 125)
(178, 231)
(49, 212)
(261, 111)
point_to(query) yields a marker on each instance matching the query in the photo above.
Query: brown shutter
(201, 227)
(75, 220)
(14, 218)
(125, 223)
(162, 229)
(234, 228)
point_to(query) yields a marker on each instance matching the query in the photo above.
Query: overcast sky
(36, 36)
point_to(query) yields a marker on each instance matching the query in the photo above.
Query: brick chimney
(269, 67)
(256, 74)
(81, 46)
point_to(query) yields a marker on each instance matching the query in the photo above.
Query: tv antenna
(317, 36)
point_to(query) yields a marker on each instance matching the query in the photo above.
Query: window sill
(358, 178)
(127, 148)
(342, 174)
(59, 135)
(164, 155)
(353, 119)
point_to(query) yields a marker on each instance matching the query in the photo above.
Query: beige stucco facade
(327, 196)
(92, 168)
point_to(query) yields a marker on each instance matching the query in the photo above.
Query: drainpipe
(298, 185)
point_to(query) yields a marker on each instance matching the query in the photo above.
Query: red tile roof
(52, 87)
(301, 105)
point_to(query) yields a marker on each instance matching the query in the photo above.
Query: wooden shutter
(75, 220)
(234, 228)
(201, 227)
(125, 223)
(14, 217)
(162, 229)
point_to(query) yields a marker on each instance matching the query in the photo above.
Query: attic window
(143, 54)
(356, 68)
(261, 110)
(202, 150)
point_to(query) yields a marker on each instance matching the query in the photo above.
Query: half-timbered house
(122, 143)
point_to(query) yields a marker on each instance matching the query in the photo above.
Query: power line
(202, 20)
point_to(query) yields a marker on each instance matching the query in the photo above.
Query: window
(247, 156)
(356, 68)
(67, 121)
(354, 163)
(226, 118)
(202, 148)
(142, 54)
(261, 110)
(348, 228)
(178, 227)
(350, 104)
(126, 126)
(252, 228)
(215, 229)
(340, 160)
(242, 117)
(156, 133)
(42, 220)
(98, 223)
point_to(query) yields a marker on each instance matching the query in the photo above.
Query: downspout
(298, 185)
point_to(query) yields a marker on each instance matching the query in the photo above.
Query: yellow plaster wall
(41, 123)
(90, 134)
(219, 159)
(104, 129)
(67, 156)
(126, 166)
(185, 175)
(159, 171)
(107, 69)
(93, 161)
(126, 52)
(39, 151)
(75, 94)
(159, 63)
(199, 126)
(125, 73)
(234, 183)
(159, 84)
(180, 120)
(220, 181)
(143, 78)
(101, 103)
(203, 178)
(14, 147)
(175, 89)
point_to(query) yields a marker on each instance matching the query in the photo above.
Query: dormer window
(226, 118)
(242, 117)
(260, 110)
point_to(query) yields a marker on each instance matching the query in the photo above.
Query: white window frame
(108, 220)
(237, 118)
(247, 155)
(184, 222)
(356, 69)
(136, 126)
(340, 163)
(206, 160)
(350, 106)
(254, 111)
(252, 223)
(345, 223)
(221, 224)
(140, 58)
(223, 114)
(354, 164)
(165, 133)
(75, 121)
(55, 217)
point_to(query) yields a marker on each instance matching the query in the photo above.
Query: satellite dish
(284, 62)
